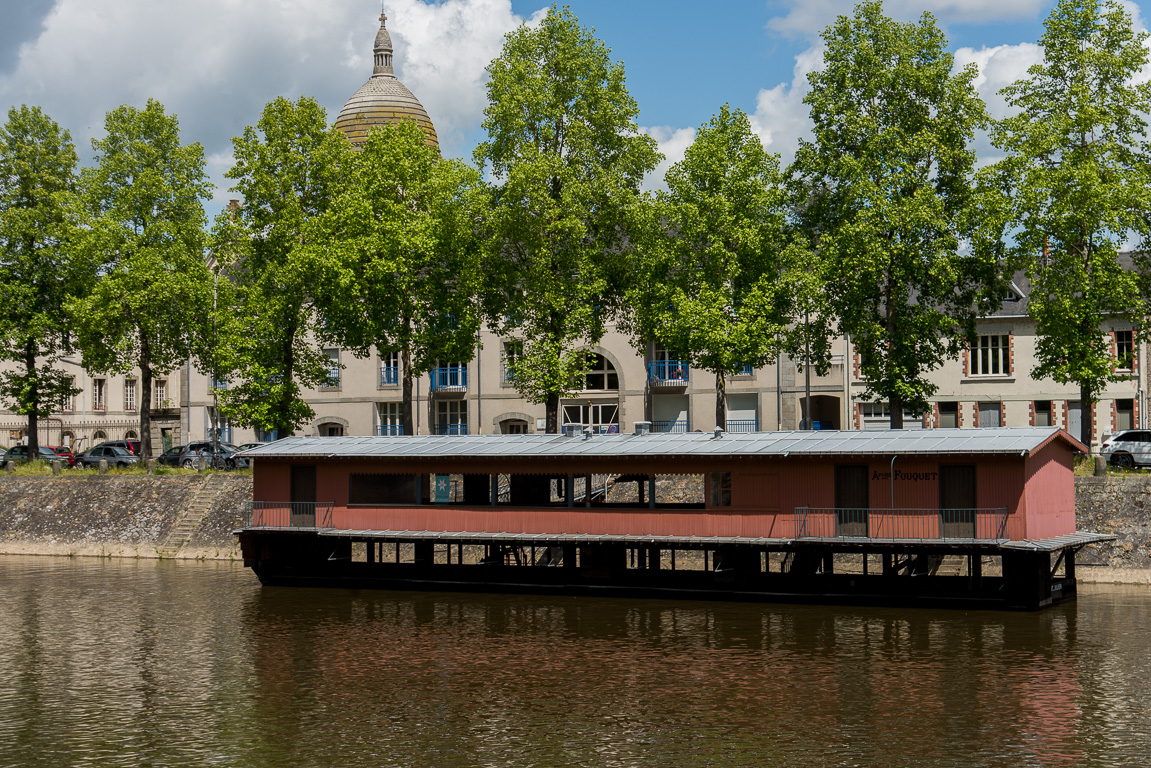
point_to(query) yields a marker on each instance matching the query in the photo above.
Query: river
(128, 663)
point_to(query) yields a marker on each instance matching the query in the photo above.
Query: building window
(878, 416)
(332, 430)
(600, 417)
(333, 367)
(601, 375)
(129, 394)
(390, 369)
(721, 489)
(1124, 351)
(390, 419)
(514, 427)
(67, 401)
(67, 438)
(513, 350)
(948, 415)
(1124, 414)
(99, 435)
(452, 417)
(1043, 413)
(991, 356)
(97, 394)
(989, 415)
(160, 393)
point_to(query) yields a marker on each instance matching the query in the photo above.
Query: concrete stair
(193, 514)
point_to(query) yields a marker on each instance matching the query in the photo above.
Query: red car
(64, 452)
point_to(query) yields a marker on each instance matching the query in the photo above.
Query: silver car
(1128, 448)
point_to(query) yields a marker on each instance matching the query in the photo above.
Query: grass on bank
(39, 468)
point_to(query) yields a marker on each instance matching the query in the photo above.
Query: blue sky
(215, 63)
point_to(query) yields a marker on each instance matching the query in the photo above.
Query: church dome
(383, 99)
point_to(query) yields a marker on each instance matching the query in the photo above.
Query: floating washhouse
(970, 517)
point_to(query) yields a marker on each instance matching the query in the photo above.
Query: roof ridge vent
(717, 434)
(587, 433)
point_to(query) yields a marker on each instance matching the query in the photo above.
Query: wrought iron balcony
(667, 373)
(742, 425)
(389, 430)
(450, 379)
(671, 427)
(988, 524)
(389, 375)
(450, 429)
(288, 514)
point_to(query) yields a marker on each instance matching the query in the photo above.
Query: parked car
(170, 457)
(131, 446)
(227, 457)
(246, 446)
(20, 453)
(64, 452)
(113, 454)
(1128, 448)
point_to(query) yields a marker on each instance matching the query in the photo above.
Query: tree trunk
(407, 422)
(896, 406)
(145, 399)
(34, 401)
(552, 404)
(1086, 412)
(720, 400)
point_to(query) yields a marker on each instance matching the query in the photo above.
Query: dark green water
(125, 663)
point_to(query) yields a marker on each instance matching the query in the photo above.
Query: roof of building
(383, 99)
(988, 441)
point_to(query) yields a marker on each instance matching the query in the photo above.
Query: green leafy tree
(887, 193)
(145, 199)
(400, 254)
(1077, 168)
(288, 170)
(567, 158)
(719, 282)
(40, 264)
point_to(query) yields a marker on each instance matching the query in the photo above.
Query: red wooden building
(985, 515)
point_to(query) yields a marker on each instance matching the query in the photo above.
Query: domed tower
(383, 99)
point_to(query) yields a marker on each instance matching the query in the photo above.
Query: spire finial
(383, 49)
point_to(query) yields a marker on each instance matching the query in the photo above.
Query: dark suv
(113, 454)
(20, 453)
(227, 457)
(131, 446)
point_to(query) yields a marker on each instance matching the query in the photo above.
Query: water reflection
(112, 663)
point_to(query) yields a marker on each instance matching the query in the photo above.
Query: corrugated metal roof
(1002, 441)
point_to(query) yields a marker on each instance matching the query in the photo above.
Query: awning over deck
(1015, 441)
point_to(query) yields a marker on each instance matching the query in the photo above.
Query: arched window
(67, 438)
(601, 374)
(99, 435)
(130, 435)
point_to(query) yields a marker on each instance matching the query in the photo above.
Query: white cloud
(781, 118)
(809, 17)
(216, 63)
(673, 143)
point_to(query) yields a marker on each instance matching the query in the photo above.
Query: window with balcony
(390, 369)
(1124, 351)
(452, 417)
(512, 351)
(333, 368)
(991, 356)
(667, 369)
(129, 394)
(601, 375)
(390, 416)
(98, 394)
(450, 377)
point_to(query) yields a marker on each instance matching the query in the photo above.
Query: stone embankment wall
(135, 515)
(122, 515)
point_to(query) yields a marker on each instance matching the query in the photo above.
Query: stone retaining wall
(117, 515)
(1120, 506)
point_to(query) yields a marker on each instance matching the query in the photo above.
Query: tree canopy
(401, 255)
(144, 199)
(41, 263)
(288, 168)
(1079, 183)
(566, 160)
(886, 190)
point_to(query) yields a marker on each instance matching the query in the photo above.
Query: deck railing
(389, 430)
(985, 524)
(667, 373)
(672, 427)
(288, 514)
